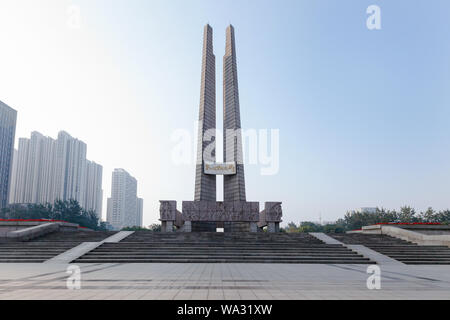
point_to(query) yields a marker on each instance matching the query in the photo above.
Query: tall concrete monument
(205, 185)
(205, 214)
(234, 185)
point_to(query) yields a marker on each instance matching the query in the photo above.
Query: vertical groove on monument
(234, 185)
(205, 185)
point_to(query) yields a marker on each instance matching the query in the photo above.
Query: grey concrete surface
(222, 281)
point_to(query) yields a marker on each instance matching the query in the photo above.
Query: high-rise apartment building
(34, 170)
(71, 163)
(124, 207)
(46, 170)
(93, 192)
(8, 118)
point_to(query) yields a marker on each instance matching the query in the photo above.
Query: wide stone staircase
(46, 247)
(401, 250)
(155, 247)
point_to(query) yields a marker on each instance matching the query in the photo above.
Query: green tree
(429, 216)
(69, 211)
(407, 215)
(291, 227)
(152, 228)
(156, 227)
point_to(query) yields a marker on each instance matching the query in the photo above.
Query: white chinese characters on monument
(220, 169)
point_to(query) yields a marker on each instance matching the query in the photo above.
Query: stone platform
(232, 216)
(218, 281)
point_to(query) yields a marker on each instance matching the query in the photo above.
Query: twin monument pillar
(205, 213)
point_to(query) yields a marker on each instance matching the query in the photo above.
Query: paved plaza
(222, 281)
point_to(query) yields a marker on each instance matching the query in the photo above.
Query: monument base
(208, 216)
(203, 226)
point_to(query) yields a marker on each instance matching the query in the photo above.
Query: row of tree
(69, 211)
(354, 220)
(156, 227)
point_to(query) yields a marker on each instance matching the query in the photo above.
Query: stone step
(83, 236)
(427, 262)
(420, 249)
(2, 260)
(213, 247)
(34, 249)
(119, 246)
(196, 253)
(260, 252)
(2, 254)
(222, 248)
(213, 260)
(48, 246)
(413, 252)
(422, 258)
(217, 246)
(28, 256)
(403, 251)
(409, 247)
(38, 244)
(206, 256)
(425, 255)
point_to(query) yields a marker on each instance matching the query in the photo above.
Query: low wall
(27, 230)
(411, 233)
(32, 232)
(9, 226)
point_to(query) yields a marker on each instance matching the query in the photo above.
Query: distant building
(93, 192)
(46, 170)
(8, 118)
(140, 212)
(124, 207)
(71, 163)
(12, 184)
(34, 170)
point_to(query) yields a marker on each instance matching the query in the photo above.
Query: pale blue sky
(363, 115)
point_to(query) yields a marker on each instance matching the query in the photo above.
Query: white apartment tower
(34, 174)
(93, 192)
(46, 170)
(71, 163)
(124, 207)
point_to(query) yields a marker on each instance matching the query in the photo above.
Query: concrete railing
(408, 235)
(28, 230)
(32, 232)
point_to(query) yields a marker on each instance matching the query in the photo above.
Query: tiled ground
(222, 281)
